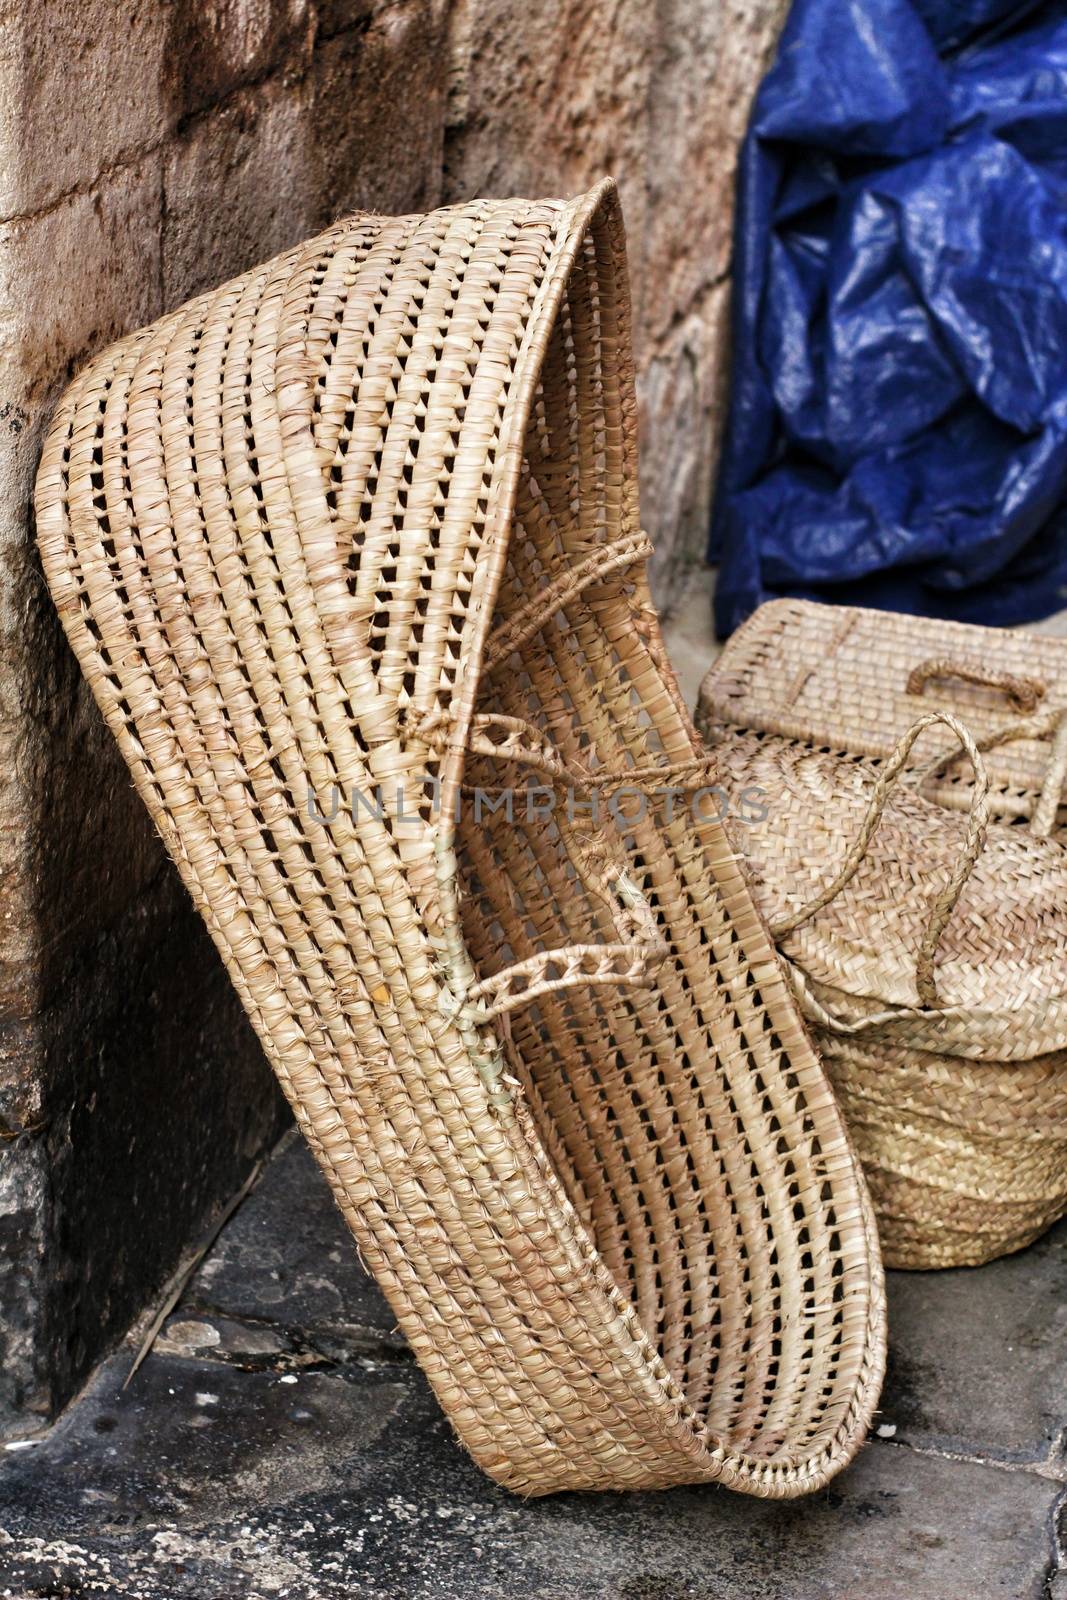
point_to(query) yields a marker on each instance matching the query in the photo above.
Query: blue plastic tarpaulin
(897, 432)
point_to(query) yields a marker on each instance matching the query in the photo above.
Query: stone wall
(149, 160)
(150, 150)
(657, 92)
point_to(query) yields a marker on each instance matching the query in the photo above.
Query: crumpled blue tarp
(898, 421)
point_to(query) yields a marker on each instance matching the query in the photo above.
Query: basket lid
(1000, 966)
(854, 680)
(799, 695)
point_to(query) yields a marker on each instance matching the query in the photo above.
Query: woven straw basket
(339, 545)
(928, 948)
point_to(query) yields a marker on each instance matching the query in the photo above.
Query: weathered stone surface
(691, 650)
(198, 1439)
(214, 47)
(150, 1130)
(143, 162)
(288, 1256)
(80, 95)
(24, 1385)
(977, 1357)
(706, 63)
(215, 1481)
(251, 1457)
(552, 97)
(679, 391)
(359, 126)
(136, 1110)
(70, 281)
(147, 157)
(238, 189)
(378, 91)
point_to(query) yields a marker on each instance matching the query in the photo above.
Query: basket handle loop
(529, 619)
(1024, 693)
(945, 903)
(633, 958)
(1050, 725)
(1043, 816)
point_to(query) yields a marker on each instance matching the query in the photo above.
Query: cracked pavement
(279, 1441)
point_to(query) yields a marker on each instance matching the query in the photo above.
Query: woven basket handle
(1024, 693)
(945, 904)
(1050, 725)
(633, 959)
(640, 947)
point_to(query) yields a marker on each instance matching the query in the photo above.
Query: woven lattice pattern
(855, 680)
(957, 1101)
(365, 520)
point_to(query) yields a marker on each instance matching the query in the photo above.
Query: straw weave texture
(855, 680)
(366, 518)
(956, 1096)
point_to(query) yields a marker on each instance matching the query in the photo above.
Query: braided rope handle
(945, 903)
(640, 948)
(1024, 693)
(604, 559)
(1050, 725)
(633, 960)
(513, 739)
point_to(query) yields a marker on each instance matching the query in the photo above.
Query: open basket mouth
(364, 522)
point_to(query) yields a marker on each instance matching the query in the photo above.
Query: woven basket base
(966, 1161)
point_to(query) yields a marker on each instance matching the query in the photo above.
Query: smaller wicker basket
(915, 877)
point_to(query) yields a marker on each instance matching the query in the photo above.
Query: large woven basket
(338, 545)
(928, 948)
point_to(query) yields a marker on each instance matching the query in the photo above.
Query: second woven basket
(931, 956)
(347, 550)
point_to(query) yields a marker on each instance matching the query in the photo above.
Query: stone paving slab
(978, 1357)
(288, 1256)
(280, 1442)
(205, 1481)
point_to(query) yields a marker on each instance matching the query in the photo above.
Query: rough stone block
(377, 112)
(549, 99)
(277, 161)
(215, 47)
(147, 161)
(130, 1086)
(680, 395)
(69, 281)
(80, 94)
(238, 190)
(105, 1176)
(23, 1218)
